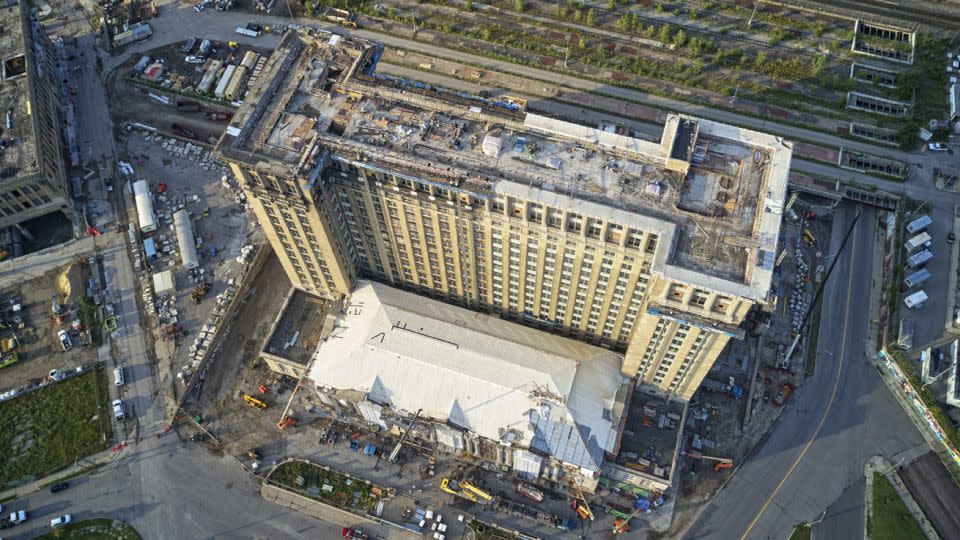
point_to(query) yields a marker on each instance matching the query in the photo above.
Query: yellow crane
(260, 404)
(451, 487)
(467, 486)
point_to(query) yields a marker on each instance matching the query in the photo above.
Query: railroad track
(884, 12)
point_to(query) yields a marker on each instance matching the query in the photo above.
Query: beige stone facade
(665, 271)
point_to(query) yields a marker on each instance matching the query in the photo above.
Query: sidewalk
(82, 466)
(878, 464)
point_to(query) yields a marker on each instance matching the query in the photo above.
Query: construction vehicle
(721, 463)
(200, 291)
(782, 396)
(582, 506)
(258, 403)
(287, 421)
(9, 344)
(453, 488)
(254, 454)
(809, 238)
(220, 116)
(170, 331)
(9, 359)
(467, 486)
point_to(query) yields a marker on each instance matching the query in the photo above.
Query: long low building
(544, 405)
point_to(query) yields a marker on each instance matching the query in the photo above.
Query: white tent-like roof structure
(495, 378)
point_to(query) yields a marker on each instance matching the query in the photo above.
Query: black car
(59, 486)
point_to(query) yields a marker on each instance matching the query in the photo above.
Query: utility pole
(816, 298)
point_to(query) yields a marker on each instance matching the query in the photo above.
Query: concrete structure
(656, 248)
(33, 167)
(303, 321)
(541, 404)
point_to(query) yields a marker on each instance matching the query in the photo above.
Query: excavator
(287, 421)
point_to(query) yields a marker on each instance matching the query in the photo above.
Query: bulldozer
(259, 404)
(200, 291)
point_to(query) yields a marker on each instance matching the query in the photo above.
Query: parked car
(951, 238)
(356, 534)
(194, 59)
(62, 520)
(199, 7)
(118, 410)
(937, 147)
(18, 517)
(64, 338)
(59, 486)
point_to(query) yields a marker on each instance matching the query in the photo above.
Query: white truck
(919, 224)
(921, 240)
(917, 278)
(920, 258)
(915, 300)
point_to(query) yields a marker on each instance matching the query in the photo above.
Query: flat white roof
(477, 372)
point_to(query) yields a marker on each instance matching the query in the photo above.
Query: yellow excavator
(258, 403)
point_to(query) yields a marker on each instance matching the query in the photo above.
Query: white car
(62, 520)
(199, 7)
(18, 517)
(193, 59)
(65, 340)
(937, 147)
(118, 410)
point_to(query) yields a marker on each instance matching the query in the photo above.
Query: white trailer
(185, 240)
(917, 259)
(144, 201)
(224, 81)
(921, 240)
(919, 224)
(917, 278)
(915, 300)
(247, 32)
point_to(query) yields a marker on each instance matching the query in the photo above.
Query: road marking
(826, 412)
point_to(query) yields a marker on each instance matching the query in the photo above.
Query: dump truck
(783, 395)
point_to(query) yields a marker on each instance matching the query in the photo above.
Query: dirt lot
(40, 350)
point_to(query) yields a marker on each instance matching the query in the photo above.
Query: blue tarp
(149, 248)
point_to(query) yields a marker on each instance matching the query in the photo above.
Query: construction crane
(453, 488)
(258, 403)
(721, 463)
(467, 486)
(587, 513)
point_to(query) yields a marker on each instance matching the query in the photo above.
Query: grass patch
(487, 531)
(328, 486)
(801, 532)
(50, 428)
(891, 519)
(94, 529)
(7, 499)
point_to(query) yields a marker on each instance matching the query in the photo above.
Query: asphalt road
(167, 489)
(838, 419)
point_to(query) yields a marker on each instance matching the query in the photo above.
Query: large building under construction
(653, 249)
(33, 177)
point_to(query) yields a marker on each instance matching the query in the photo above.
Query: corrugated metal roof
(480, 372)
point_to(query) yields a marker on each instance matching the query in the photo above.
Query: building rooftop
(500, 380)
(18, 154)
(714, 193)
(299, 328)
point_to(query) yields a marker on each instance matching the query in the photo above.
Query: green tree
(650, 31)
(309, 6)
(697, 66)
(582, 43)
(680, 38)
(692, 14)
(664, 34)
(659, 8)
(760, 59)
(519, 5)
(468, 5)
(591, 17)
(611, 5)
(623, 23)
(391, 13)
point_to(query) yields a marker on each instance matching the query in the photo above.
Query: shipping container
(919, 224)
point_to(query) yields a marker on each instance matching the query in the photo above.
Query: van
(118, 377)
(118, 410)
